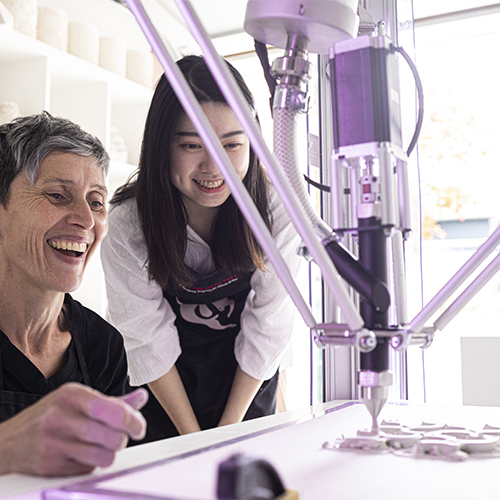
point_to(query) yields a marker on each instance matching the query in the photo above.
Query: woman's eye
(232, 145)
(191, 147)
(55, 196)
(96, 205)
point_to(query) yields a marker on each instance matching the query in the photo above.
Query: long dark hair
(162, 213)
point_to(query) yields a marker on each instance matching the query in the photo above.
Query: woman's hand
(170, 392)
(72, 430)
(243, 391)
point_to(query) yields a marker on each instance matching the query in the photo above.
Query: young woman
(204, 317)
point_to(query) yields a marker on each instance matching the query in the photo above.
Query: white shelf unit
(40, 77)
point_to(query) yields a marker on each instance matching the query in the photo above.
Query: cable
(321, 187)
(261, 50)
(420, 93)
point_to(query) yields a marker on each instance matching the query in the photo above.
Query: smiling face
(194, 173)
(49, 230)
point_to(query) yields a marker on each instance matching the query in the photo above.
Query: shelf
(38, 76)
(67, 69)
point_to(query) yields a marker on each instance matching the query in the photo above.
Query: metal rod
(398, 273)
(354, 169)
(238, 104)
(485, 10)
(337, 193)
(462, 300)
(403, 195)
(418, 322)
(212, 142)
(387, 185)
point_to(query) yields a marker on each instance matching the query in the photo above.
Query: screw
(396, 341)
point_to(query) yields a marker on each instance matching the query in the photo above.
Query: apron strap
(1, 372)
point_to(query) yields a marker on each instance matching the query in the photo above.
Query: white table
(186, 466)
(24, 487)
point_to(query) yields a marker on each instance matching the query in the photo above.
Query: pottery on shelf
(83, 41)
(24, 13)
(9, 110)
(140, 67)
(6, 16)
(113, 55)
(52, 27)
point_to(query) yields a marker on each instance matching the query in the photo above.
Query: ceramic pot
(140, 67)
(25, 14)
(83, 41)
(113, 55)
(52, 27)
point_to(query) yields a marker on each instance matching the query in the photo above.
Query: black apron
(12, 402)
(208, 320)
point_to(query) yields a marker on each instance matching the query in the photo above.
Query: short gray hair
(26, 141)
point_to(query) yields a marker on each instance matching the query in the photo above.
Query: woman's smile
(68, 248)
(210, 186)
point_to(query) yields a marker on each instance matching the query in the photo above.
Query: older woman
(52, 217)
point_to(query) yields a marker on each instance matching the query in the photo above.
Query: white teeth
(210, 184)
(64, 245)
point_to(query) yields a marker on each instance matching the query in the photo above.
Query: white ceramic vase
(9, 110)
(52, 27)
(140, 67)
(113, 55)
(83, 41)
(6, 16)
(25, 15)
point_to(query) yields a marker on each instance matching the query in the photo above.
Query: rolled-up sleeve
(136, 306)
(268, 316)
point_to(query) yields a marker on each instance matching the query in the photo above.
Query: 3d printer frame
(368, 153)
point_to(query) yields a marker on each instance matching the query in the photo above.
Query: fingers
(72, 440)
(72, 457)
(47, 441)
(118, 415)
(71, 431)
(87, 455)
(110, 411)
(58, 467)
(93, 432)
(136, 399)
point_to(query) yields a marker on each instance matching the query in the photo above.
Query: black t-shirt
(100, 345)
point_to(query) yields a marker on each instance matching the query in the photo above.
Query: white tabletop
(24, 487)
(186, 467)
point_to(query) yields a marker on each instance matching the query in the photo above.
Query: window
(456, 43)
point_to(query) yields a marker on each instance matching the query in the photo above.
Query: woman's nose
(208, 165)
(81, 214)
